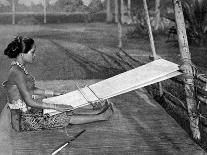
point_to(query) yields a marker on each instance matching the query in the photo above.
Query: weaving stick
(79, 89)
(99, 99)
(67, 142)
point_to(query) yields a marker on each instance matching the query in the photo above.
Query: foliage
(71, 5)
(95, 6)
(141, 29)
(4, 3)
(195, 14)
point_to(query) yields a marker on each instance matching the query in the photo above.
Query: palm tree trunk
(13, 11)
(108, 10)
(129, 11)
(188, 70)
(116, 10)
(157, 14)
(120, 45)
(45, 11)
(122, 11)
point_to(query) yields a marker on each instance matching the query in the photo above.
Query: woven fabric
(38, 121)
(33, 119)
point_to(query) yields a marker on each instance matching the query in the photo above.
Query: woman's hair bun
(14, 48)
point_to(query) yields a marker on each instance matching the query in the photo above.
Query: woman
(21, 89)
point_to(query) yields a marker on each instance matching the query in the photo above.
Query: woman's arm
(20, 81)
(46, 93)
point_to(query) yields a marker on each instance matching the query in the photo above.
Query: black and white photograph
(103, 77)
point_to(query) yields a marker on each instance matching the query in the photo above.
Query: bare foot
(108, 113)
(104, 107)
(96, 105)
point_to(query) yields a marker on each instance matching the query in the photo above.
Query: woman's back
(11, 84)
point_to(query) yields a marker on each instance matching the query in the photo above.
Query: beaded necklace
(20, 65)
(24, 69)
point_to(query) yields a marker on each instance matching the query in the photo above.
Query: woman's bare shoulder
(15, 73)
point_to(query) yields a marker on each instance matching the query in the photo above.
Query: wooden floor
(139, 126)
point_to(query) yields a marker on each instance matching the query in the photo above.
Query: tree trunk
(120, 45)
(13, 11)
(129, 12)
(108, 11)
(122, 11)
(45, 11)
(120, 34)
(188, 70)
(157, 14)
(116, 11)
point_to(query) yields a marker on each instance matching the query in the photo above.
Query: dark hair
(19, 45)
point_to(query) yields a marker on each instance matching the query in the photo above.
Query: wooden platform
(139, 126)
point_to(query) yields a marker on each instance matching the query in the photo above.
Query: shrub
(195, 14)
(97, 17)
(28, 21)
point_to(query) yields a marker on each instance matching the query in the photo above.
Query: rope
(193, 115)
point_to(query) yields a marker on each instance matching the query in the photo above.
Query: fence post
(187, 68)
(152, 44)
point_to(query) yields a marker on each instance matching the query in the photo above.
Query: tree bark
(157, 14)
(188, 70)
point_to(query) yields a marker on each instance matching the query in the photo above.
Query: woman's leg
(82, 119)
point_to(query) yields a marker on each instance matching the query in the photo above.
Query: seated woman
(26, 111)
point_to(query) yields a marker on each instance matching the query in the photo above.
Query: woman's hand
(56, 93)
(63, 107)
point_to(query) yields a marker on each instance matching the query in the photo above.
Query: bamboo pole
(45, 11)
(13, 12)
(187, 68)
(152, 44)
